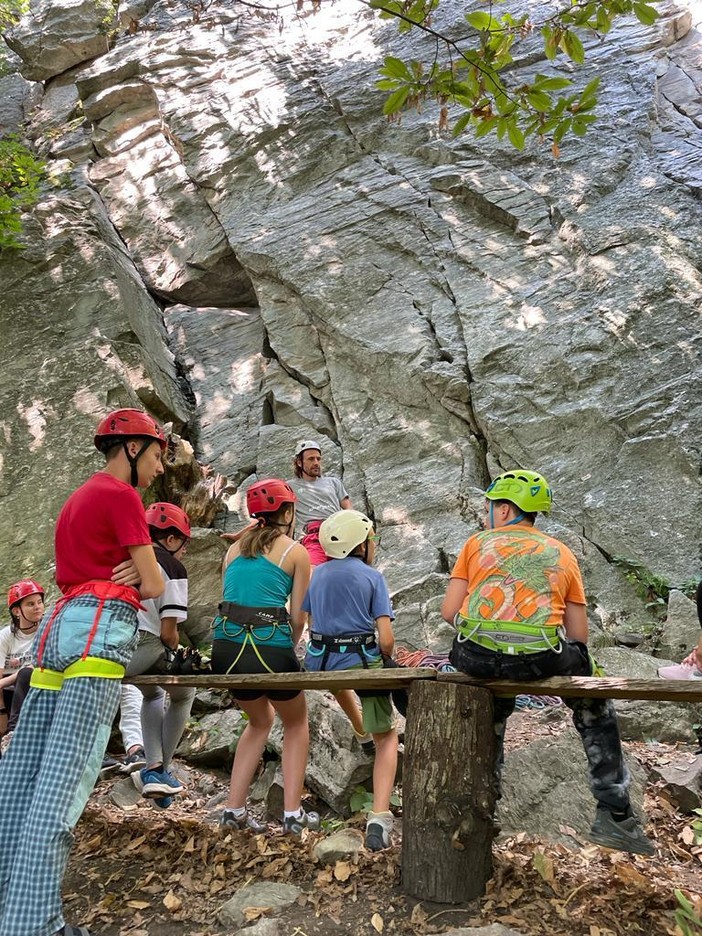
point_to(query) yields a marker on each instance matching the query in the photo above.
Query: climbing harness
(509, 637)
(324, 644)
(89, 666)
(255, 626)
(103, 591)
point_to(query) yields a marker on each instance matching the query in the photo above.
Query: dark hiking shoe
(378, 831)
(626, 835)
(134, 761)
(295, 825)
(229, 820)
(110, 766)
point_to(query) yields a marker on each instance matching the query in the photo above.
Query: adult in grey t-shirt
(317, 500)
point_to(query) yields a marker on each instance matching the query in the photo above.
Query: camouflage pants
(595, 719)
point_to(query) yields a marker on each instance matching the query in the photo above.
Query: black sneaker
(110, 766)
(134, 761)
(229, 820)
(378, 830)
(626, 835)
(295, 825)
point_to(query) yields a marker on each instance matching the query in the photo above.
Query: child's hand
(126, 574)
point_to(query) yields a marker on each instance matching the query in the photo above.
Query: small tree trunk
(448, 797)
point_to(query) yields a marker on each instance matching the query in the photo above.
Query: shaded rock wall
(436, 309)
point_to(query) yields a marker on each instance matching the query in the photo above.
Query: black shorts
(278, 659)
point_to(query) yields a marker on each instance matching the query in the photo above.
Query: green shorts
(377, 713)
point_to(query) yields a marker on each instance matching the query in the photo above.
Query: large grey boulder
(57, 34)
(545, 789)
(681, 631)
(336, 764)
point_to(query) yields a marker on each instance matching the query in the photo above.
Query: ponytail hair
(259, 539)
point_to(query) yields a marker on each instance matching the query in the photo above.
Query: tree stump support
(449, 791)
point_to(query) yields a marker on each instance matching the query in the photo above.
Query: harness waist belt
(512, 637)
(90, 666)
(253, 617)
(345, 640)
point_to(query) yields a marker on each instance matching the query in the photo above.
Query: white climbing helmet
(341, 533)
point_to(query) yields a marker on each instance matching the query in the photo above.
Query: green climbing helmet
(528, 490)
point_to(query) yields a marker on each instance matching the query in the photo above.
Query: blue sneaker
(159, 783)
(163, 802)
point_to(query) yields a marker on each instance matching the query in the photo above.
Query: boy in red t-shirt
(105, 564)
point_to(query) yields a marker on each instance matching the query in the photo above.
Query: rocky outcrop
(435, 309)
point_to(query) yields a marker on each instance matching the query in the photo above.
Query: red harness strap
(104, 591)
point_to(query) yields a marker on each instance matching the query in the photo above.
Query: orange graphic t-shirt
(518, 574)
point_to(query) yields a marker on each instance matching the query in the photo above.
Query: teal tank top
(256, 583)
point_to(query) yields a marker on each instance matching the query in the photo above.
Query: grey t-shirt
(317, 500)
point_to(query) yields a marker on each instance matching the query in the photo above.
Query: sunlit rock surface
(434, 309)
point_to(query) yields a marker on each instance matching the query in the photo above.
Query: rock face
(237, 214)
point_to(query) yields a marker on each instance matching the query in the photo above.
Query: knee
(262, 722)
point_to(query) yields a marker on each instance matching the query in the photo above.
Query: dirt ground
(149, 872)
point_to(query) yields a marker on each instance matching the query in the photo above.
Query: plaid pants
(53, 762)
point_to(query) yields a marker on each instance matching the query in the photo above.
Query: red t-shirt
(96, 525)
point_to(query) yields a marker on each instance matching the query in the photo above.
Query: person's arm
(453, 599)
(575, 621)
(9, 680)
(126, 573)
(169, 632)
(386, 637)
(235, 537)
(150, 578)
(345, 504)
(229, 557)
(301, 580)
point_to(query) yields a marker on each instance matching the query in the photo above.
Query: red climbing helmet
(163, 516)
(23, 589)
(124, 423)
(268, 496)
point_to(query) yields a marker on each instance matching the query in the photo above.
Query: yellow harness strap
(89, 667)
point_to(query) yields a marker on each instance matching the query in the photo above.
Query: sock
(295, 814)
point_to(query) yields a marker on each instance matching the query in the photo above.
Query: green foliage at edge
(21, 176)
(469, 73)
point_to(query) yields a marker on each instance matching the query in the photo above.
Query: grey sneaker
(295, 825)
(229, 820)
(626, 835)
(378, 830)
(134, 761)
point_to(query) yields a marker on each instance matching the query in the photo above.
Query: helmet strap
(520, 516)
(133, 459)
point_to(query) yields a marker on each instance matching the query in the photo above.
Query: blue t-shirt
(256, 583)
(345, 596)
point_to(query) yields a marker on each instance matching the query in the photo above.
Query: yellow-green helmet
(527, 489)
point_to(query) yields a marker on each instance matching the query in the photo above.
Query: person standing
(80, 653)
(254, 633)
(318, 497)
(516, 598)
(352, 628)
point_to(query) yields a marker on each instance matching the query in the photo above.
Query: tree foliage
(21, 175)
(473, 72)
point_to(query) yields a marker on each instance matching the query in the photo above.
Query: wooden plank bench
(448, 793)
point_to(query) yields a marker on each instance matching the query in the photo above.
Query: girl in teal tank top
(255, 634)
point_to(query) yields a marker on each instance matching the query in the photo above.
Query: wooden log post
(448, 798)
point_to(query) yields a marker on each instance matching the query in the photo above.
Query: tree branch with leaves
(473, 72)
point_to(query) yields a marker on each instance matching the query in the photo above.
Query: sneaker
(626, 835)
(159, 783)
(229, 820)
(134, 761)
(162, 802)
(366, 742)
(110, 766)
(378, 830)
(295, 825)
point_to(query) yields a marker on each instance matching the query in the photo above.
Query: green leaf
(604, 20)
(561, 130)
(395, 68)
(551, 84)
(485, 126)
(573, 47)
(461, 123)
(539, 100)
(480, 20)
(516, 137)
(645, 14)
(550, 44)
(386, 84)
(396, 101)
